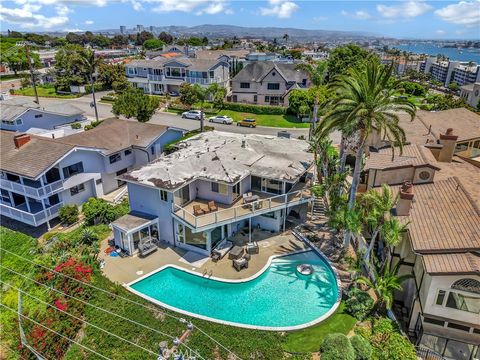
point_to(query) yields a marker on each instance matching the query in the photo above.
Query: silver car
(192, 114)
(221, 119)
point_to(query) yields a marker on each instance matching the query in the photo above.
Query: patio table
(249, 199)
(236, 252)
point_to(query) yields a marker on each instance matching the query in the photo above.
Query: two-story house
(39, 175)
(164, 75)
(20, 114)
(216, 185)
(267, 83)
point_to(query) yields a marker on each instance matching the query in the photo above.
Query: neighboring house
(471, 94)
(39, 175)
(439, 204)
(19, 114)
(168, 196)
(164, 75)
(267, 83)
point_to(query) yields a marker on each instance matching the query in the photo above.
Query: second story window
(114, 158)
(273, 86)
(222, 189)
(244, 85)
(77, 189)
(163, 195)
(127, 152)
(38, 116)
(72, 170)
(132, 71)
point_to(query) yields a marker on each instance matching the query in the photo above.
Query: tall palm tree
(90, 62)
(385, 283)
(392, 231)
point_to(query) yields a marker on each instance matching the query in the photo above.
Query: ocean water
(452, 53)
(280, 297)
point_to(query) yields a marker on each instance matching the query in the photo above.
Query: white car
(221, 119)
(192, 114)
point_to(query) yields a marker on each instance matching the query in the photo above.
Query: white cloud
(280, 8)
(318, 19)
(360, 14)
(75, 30)
(440, 32)
(465, 13)
(63, 10)
(88, 22)
(405, 10)
(215, 7)
(27, 17)
(200, 6)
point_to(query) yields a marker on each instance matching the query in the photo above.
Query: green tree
(344, 57)
(188, 95)
(204, 41)
(364, 103)
(100, 41)
(299, 98)
(16, 59)
(362, 347)
(113, 76)
(202, 95)
(453, 86)
(135, 103)
(90, 64)
(152, 44)
(388, 344)
(68, 67)
(119, 40)
(98, 211)
(68, 214)
(337, 346)
(143, 36)
(217, 94)
(165, 37)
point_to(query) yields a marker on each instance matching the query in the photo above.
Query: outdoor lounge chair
(252, 248)
(197, 210)
(212, 206)
(221, 250)
(240, 264)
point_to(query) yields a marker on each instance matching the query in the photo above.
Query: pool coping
(259, 273)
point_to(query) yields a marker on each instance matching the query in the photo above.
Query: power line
(55, 332)
(77, 318)
(123, 298)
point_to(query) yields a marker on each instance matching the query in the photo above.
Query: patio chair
(197, 210)
(212, 206)
(252, 248)
(240, 264)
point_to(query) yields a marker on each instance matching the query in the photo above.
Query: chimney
(21, 140)
(449, 141)
(243, 143)
(405, 199)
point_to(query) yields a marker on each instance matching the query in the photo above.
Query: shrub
(255, 109)
(92, 125)
(389, 344)
(358, 304)
(69, 214)
(88, 236)
(98, 211)
(363, 349)
(337, 346)
(76, 125)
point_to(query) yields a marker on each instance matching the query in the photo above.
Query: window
(214, 187)
(77, 189)
(19, 122)
(114, 158)
(440, 297)
(72, 170)
(38, 116)
(7, 122)
(267, 99)
(163, 195)
(463, 302)
(255, 98)
(469, 285)
(98, 181)
(244, 85)
(212, 74)
(272, 215)
(152, 150)
(424, 175)
(273, 86)
(127, 152)
(222, 189)
(433, 321)
(458, 327)
(132, 71)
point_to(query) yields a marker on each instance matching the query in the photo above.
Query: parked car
(221, 119)
(192, 114)
(251, 123)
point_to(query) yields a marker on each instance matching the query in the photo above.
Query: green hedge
(255, 109)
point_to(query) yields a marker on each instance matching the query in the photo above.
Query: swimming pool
(278, 299)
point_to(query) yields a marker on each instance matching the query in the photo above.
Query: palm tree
(201, 94)
(285, 37)
(392, 231)
(385, 283)
(347, 220)
(90, 62)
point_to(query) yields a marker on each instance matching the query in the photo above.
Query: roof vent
(21, 140)
(244, 143)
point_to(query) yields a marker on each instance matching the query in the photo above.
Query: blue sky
(401, 19)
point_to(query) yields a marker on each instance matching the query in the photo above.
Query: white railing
(155, 77)
(39, 192)
(34, 219)
(120, 195)
(243, 211)
(189, 79)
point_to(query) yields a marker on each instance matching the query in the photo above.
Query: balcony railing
(243, 211)
(189, 79)
(34, 219)
(35, 192)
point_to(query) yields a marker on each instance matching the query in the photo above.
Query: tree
(347, 220)
(73, 38)
(217, 94)
(68, 214)
(135, 103)
(152, 44)
(90, 62)
(69, 70)
(165, 37)
(337, 346)
(143, 36)
(362, 347)
(286, 37)
(453, 86)
(388, 343)
(113, 76)
(188, 95)
(202, 95)
(364, 103)
(100, 41)
(344, 57)
(98, 211)
(16, 59)
(204, 41)
(359, 303)
(119, 40)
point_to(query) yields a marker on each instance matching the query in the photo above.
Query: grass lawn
(44, 91)
(309, 339)
(280, 121)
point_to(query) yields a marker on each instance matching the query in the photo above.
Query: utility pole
(93, 86)
(32, 74)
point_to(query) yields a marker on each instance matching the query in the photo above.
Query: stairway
(319, 211)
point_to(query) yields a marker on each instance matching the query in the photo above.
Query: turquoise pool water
(280, 297)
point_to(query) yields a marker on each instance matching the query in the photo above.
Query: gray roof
(256, 71)
(220, 156)
(132, 220)
(12, 108)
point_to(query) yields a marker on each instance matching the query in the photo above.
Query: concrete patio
(128, 269)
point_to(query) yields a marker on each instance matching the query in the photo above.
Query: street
(173, 120)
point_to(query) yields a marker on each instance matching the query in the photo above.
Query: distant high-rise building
(140, 28)
(123, 29)
(151, 28)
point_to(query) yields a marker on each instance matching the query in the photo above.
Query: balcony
(36, 218)
(35, 192)
(238, 210)
(180, 79)
(155, 77)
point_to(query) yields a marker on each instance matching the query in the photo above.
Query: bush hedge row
(255, 109)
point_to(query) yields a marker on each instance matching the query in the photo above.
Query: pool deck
(128, 269)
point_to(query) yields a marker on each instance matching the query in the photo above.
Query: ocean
(452, 53)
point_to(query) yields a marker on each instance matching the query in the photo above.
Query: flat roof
(226, 157)
(133, 220)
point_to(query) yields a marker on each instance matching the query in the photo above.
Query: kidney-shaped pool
(279, 299)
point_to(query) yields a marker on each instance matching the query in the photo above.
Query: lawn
(44, 91)
(309, 339)
(280, 121)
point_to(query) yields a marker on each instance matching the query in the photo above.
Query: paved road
(168, 119)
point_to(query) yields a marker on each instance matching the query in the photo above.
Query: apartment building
(39, 175)
(471, 94)
(165, 74)
(19, 114)
(462, 73)
(267, 83)
(438, 202)
(216, 185)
